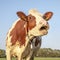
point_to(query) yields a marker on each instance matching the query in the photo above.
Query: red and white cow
(23, 30)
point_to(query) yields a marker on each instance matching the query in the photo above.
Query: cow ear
(22, 15)
(47, 15)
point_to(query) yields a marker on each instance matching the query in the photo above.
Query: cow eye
(30, 17)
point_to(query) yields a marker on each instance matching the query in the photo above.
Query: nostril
(43, 28)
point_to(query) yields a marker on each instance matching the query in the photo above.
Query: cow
(23, 31)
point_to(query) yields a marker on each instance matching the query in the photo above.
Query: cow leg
(32, 57)
(8, 56)
(16, 58)
(19, 57)
(29, 56)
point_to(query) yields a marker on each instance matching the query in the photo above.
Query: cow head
(41, 25)
(36, 22)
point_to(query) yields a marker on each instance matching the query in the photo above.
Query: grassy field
(47, 58)
(37, 58)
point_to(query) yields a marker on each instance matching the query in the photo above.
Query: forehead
(36, 14)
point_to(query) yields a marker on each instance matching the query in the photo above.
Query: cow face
(37, 23)
(41, 24)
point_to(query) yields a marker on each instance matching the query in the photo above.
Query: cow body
(16, 47)
(23, 31)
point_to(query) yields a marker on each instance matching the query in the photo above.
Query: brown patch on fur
(18, 33)
(31, 22)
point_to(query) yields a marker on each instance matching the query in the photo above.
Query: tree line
(48, 52)
(2, 53)
(43, 52)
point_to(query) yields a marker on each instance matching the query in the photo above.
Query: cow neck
(27, 27)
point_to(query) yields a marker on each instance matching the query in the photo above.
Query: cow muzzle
(43, 28)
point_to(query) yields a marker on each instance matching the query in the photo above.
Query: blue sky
(8, 9)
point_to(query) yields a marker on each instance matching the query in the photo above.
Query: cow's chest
(17, 50)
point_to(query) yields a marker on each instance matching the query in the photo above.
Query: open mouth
(43, 28)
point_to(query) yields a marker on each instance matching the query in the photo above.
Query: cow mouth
(43, 28)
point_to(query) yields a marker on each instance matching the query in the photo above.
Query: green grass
(37, 58)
